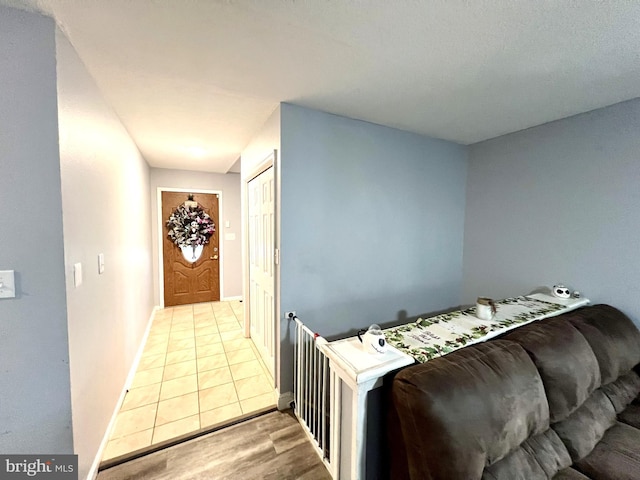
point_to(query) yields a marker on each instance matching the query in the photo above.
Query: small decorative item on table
(485, 308)
(373, 340)
(561, 291)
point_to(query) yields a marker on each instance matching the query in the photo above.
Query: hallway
(197, 370)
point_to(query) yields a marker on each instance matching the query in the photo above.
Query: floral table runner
(433, 337)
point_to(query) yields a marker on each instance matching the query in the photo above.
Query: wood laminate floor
(272, 446)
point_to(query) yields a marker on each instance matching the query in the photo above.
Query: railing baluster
(313, 385)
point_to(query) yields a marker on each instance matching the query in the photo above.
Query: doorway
(198, 368)
(190, 280)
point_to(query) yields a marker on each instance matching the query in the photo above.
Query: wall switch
(100, 263)
(7, 284)
(77, 274)
(227, 224)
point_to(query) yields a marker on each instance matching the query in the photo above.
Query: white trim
(270, 161)
(284, 400)
(93, 471)
(160, 226)
(231, 299)
(276, 288)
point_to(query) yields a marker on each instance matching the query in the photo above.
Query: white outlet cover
(100, 263)
(7, 284)
(77, 274)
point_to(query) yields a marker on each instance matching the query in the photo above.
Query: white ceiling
(193, 80)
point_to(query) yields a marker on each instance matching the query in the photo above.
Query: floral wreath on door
(190, 228)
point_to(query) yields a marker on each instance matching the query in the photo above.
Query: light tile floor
(197, 370)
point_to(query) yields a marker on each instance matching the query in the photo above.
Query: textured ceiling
(193, 80)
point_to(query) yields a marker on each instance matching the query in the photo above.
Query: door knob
(215, 257)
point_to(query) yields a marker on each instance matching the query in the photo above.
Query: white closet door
(262, 262)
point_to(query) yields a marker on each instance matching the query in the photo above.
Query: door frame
(271, 161)
(160, 228)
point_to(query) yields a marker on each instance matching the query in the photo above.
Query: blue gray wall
(35, 400)
(558, 203)
(106, 209)
(372, 223)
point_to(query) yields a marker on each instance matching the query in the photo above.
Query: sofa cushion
(566, 362)
(539, 458)
(583, 429)
(615, 457)
(631, 415)
(473, 406)
(623, 391)
(570, 474)
(614, 338)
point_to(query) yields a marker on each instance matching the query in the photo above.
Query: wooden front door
(186, 282)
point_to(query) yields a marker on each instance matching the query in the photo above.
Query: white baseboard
(284, 400)
(136, 360)
(93, 472)
(231, 299)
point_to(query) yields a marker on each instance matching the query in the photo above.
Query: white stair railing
(316, 393)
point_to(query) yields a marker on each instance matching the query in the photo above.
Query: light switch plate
(7, 284)
(77, 274)
(100, 263)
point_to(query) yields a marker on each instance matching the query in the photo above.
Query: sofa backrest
(585, 359)
(615, 341)
(526, 405)
(579, 411)
(566, 363)
(613, 337)
(469, 409)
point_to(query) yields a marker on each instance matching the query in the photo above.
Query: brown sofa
(555, 399)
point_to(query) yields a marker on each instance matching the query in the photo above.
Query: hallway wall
(229, 184)
(106, 209)
(35, 401)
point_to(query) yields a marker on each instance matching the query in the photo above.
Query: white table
(360, 372)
